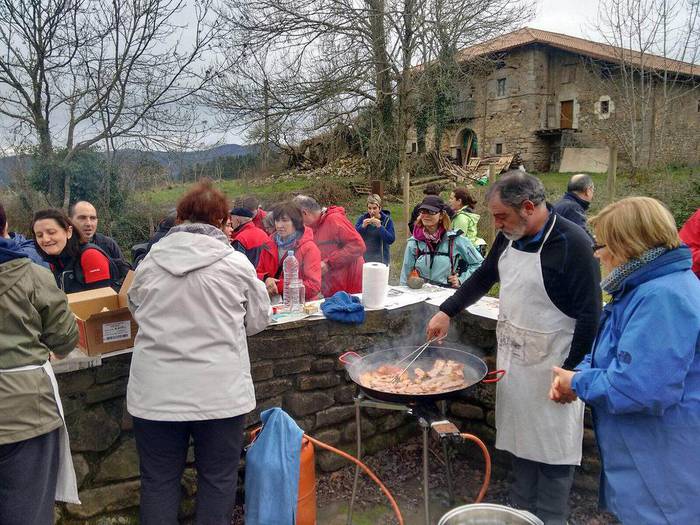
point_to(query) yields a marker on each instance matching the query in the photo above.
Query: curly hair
(203, 203)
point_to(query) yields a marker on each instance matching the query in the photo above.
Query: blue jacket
(435, 267)
(377, 240)
(28, 247)
(642, 381)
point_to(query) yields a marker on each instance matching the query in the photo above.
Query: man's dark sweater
(573, 207)
(111, 248)
(570, 274)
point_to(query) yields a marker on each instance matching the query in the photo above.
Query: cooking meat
(445, 375)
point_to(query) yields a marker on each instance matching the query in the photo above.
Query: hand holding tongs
(417, 351)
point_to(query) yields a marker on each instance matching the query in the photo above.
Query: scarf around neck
(283, 245)
(200, 228)
(613, 282)
(432, 239)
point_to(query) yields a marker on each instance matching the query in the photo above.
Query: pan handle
(349, 357)
(498, 375)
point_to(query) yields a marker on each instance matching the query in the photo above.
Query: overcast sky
(572, 17)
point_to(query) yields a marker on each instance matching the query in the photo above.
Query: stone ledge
(101, 500)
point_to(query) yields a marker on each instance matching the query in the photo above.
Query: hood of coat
(470, 213)
(331, 210)
(10, 249)
(676, 260)
(190, 247)
(12, 271)
(307, 236)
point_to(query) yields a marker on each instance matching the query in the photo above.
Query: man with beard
(549, 311)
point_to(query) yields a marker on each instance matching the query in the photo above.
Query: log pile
(475, 171)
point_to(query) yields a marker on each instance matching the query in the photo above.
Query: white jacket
(195, 299)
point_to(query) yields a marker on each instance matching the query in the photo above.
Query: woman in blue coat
(438, 254)
(642, 379)
(377, 230)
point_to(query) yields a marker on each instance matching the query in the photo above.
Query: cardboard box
(108, 331)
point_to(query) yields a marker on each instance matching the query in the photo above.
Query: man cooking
(549, 311)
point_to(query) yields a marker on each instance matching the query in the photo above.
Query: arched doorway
(467, 146)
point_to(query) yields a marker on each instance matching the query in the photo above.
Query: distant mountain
(174, 161)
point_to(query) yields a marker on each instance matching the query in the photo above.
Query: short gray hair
(579, 183)
(305, 202)
(515, 187)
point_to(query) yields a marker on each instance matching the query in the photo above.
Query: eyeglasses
(597, 247)
(428, 212)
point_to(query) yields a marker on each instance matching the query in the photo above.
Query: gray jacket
(195, 299)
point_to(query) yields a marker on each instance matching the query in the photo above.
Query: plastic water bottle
(290, 267)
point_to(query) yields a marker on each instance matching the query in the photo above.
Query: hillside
(175, 162)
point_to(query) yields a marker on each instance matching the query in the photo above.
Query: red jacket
(309, 258)
(259, 216)
(341, 249)
(250, 241)
(690, 234)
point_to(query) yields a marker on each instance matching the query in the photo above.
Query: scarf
(284, 245)
(202, 229)
(431, 239)
(613, 282)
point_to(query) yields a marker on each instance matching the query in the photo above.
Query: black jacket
(70, 274)
(112, 250)
(573, 207)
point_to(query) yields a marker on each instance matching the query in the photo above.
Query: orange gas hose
(371, 474)
(487, 460)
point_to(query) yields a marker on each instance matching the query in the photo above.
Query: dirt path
(400, 470)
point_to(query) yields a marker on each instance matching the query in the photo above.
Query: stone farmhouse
(546, 92)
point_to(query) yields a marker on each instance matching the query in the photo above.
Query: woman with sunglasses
(438, 254)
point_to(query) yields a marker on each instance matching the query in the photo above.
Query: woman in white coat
(195, 299)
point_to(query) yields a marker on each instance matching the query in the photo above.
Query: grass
(169, 195)
(678, 187)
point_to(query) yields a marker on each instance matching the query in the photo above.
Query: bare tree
(87, 72)
(655, 44)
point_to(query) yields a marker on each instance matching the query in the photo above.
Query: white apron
(533, 336)
(66, 483)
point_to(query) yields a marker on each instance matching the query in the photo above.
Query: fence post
(377, 187)
(492, 226)
(612, 172)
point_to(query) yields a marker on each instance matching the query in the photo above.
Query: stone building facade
(545, 92)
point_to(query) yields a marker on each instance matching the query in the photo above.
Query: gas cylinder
(306, 506)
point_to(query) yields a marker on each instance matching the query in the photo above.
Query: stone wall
(294, 366)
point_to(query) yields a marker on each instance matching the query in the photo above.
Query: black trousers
(28, 473)
(542, 489)
(162, 448)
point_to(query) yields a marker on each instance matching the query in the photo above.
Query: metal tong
(418, 351)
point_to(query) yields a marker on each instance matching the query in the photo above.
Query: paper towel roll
(375, 283)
